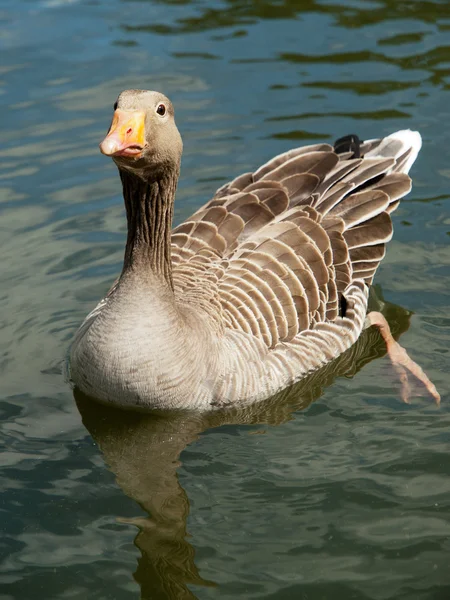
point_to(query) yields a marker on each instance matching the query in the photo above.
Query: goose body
(265, 283)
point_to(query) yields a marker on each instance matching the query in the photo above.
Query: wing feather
(273, 251)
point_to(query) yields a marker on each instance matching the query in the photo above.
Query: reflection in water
(143, 451)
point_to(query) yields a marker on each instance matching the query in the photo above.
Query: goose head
(143, 137)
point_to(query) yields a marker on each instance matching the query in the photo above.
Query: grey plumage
(244, 301)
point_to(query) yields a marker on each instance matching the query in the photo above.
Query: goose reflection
(143, 450)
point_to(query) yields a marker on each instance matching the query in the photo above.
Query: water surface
(344, 497)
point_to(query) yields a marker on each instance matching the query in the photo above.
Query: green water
(347, 497)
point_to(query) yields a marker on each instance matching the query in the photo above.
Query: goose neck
(149, 208)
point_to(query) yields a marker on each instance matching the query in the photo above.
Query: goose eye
(161, 110)
(115, 105)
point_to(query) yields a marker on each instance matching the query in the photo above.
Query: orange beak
(126, 136)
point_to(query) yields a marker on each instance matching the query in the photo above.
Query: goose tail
(403, 145)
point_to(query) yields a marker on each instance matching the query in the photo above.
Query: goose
(264, 284)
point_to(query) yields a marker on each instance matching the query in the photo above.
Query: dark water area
(335, 490)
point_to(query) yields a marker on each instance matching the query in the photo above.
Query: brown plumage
(280, 263)
(263, 284)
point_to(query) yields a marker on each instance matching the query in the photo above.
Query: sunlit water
(348, 497)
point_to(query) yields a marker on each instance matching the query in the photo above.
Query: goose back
(277, 248)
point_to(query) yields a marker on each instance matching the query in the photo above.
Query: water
(347, 497)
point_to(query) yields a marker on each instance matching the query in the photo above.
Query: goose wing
(273, 252)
